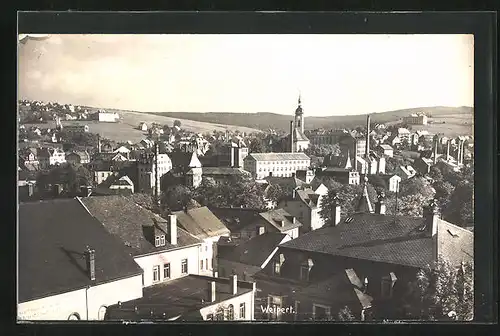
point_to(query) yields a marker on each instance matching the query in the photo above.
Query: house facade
(262, 165)
(305, 205)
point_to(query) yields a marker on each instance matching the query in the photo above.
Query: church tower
(299, 117)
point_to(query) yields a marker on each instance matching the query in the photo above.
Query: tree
(444, 189)
(443, 291)
(175, 198)
(323, 150)
(460, 207)
(256, 146)
(416, 185)
(345, 314)
(231, 192)
(275, 193)
(177, 123)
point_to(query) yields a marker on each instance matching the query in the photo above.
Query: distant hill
(266, 120)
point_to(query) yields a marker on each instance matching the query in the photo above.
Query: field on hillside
(454, 125)
(126, 129)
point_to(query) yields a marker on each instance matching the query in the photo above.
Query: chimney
(448, 143)
(294, 220)
(172, 229)
(458, 152)
(282, 223)
(90, 261)
(291, 137)
(294, 193)
(431, 215)
(234, 284)
(367, 146)
(435, 152)
(211, 291)
(336, 211)
(31, 189)
(380, 205)
(216, 274)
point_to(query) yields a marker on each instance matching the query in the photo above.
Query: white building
(84, 269)
(415, 119)
(103, 116)
(262, 165)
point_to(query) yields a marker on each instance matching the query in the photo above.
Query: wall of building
(208, 252)
(60, 307)
(228, 267)
(108, 117)
(247, 298)
(101, 176)
(174, 257)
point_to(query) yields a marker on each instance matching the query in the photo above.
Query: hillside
(265, 120)
(126, 129)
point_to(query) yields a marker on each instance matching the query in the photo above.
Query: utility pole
(157, 178)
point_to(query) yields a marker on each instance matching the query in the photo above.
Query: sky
(334, 74)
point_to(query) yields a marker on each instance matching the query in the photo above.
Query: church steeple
(299, 115)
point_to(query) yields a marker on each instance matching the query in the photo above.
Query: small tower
(364, 204)
(299, 116)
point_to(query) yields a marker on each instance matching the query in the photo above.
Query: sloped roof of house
(182, 297)
(278, 156)
(124, 180)
(385, 147)
(307, 196)
(201, 223)
(256, 250)
(184, 159)
(236, 219)
(125, 219)
(298, 135)
(275, 216)
(389, 239)
(221, 171)
(293, 181)
(53, 236)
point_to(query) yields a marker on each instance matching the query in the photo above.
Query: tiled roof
(201, 222)
(178, 297)
(256, 250)
(52, 238)
(284, 181)
(364, 203)
(184, 159)
(236, 219)
(125, 219)
(455, 244)
(307, 196)
(383, 238)
(274, 217)
(278, 156)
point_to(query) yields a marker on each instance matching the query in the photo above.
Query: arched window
(74, 316)
(101, 313)
(230, 312)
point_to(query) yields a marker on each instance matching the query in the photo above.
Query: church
(297, 140)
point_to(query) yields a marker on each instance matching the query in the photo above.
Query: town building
(250, 256)
(83, 268)
(305, 205)
(163, 249)
(405, 172)
(143, 126)
(331, 137)
(148, 166)
(103, 116)
(218, 173)
(341, 175)
(184, 162)
(232, 154)
(77, 128)
(193, 298)
(49, 157)
(386, 150)
(205, 226)
(261, 165)
(78, 157)
(415, 119)
(374, 256)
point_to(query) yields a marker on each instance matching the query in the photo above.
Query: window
(242, 310)
(210, 317)
(206, 263)
(321, 312)
(156, 273)
(166, 271)
(162, 240)
(230, 312)
(184, 266)
(304, 273)
(261, 230)
(206, 248)
(277, 267)
(201, 265)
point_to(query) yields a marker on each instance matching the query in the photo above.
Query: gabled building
(385, 149)
(162, 249)
(405, 172)
(51, 157)
(384, 251)
(250, 256)
(205, 226)
(193, 298)
(184, 162)
(217, 173)
(297, 141)
(78, 157)
(70, 267)
(305, 205)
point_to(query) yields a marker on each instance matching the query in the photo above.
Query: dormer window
(160, 241)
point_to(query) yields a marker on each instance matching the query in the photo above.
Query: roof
(285, 181)
(388, 239)
(224, 171)
(278, 156)
(256, 250)
(201, 222)
(178, 297)
(184, 159)
(307, 196)
(236, 218)
(123, 181)
(126, 220)
(298, 135)
(275, 216)
(52, 238)
(385, 147)
(364, 203)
